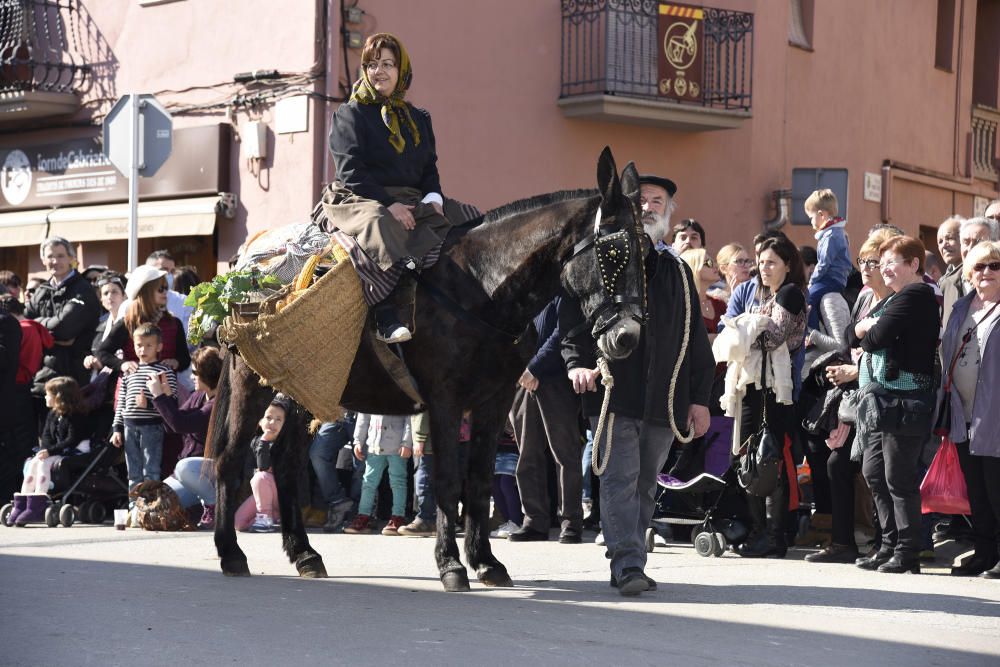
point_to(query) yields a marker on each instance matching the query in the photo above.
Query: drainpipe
(783, 210)
(958, 87)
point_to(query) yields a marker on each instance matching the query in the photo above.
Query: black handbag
(758, 464)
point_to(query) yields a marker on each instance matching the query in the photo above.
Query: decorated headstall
(615, 251)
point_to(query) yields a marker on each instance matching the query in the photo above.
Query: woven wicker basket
(306, 348)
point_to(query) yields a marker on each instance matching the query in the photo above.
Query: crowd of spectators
(95, 356)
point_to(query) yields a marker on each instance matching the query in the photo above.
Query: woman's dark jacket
(642, 380)
(172, 337)
(190, 420)
(367, 163)
(908, 326)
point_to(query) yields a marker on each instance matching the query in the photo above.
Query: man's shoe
(875, 561)
(974, 566)
(336, 513)
(570, 535)
(900, 564)
(649, 580)
(632, 582)
(360, 525)
(993, 573)
(528, 534)
(418, 528)
(835, 553)
(395, 523)
(388, 328)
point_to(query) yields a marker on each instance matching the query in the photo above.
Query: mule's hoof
(311, 567)
(456, 581)
(236, 569)
(495, 577)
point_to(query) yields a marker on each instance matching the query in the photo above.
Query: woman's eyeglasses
(870, 264)
(709, 263)
(373, 66)
(742, 262)
(992, 266)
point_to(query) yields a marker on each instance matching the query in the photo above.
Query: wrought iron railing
(611, 47)
(34, 47)
(985, 121)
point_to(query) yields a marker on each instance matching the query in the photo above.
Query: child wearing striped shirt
(137, 425)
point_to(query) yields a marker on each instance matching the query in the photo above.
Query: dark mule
(502, 273)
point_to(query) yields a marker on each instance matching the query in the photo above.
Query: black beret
(664, 183)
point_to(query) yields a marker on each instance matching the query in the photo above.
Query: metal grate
(610, 47)
(34, 49)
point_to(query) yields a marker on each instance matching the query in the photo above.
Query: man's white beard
(656, 225)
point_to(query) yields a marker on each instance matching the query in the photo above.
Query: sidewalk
(91, 595)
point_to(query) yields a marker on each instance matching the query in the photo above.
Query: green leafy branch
(212, 300)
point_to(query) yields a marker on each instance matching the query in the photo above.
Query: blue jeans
(422, 480)
(194, 481)
(628, 487)
(143, 452)
(330, 439)
(375, 465)
(588, 451)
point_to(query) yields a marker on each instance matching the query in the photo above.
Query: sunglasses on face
(992, 266)
(742, 262)
(709, 263)
(161, 289)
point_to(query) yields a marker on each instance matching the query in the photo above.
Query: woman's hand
(404, 215)
(158, 385)
(864, 326)
(92, 363)
(842, 374)
(128, 367)
(42, 454)
(406, 452)
(172, 364)
(359, 452)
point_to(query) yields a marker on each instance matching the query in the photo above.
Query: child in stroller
(64, 450)
(699, 493)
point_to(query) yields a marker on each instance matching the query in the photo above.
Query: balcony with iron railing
(39, 76)
(655, 63)
(985, 121)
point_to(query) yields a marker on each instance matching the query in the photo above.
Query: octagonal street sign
(154, 135)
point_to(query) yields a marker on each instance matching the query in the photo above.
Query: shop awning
(193, 216)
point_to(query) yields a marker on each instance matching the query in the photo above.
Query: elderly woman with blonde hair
(970, 358)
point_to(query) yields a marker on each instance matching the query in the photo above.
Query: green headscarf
(393, 107)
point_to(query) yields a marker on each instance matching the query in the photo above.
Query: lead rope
(609, 382)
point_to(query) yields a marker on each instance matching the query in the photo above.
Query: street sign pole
(133, 185)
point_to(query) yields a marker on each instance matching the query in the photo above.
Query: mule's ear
(607, 181)
(630, 182)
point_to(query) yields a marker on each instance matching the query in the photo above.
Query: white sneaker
(505, 530)
(262, 523)
(599, 540)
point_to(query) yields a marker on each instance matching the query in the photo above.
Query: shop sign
(37, 172)
(681, 59)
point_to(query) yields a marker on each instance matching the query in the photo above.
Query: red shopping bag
(943, 489)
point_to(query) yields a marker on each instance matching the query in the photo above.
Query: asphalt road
(89, 595)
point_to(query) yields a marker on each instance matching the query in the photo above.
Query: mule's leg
(447, 487)
(486, 426)
(287, 461)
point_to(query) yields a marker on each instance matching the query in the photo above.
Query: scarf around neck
(394, 107)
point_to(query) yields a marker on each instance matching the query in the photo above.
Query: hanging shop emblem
(680, 64)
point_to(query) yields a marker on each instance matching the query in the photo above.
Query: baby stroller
(83, 487)
(700, 492)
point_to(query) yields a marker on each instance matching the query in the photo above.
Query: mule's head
(607, 271)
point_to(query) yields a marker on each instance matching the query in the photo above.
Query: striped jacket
(127, 413)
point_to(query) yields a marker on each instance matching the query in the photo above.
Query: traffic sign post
(138, 136)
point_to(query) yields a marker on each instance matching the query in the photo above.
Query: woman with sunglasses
(970, 357)
(147, 293)
(899, 339)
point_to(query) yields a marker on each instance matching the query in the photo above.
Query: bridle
(614, 251)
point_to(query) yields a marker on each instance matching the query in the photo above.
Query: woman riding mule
(388, 193)
(490, 282)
